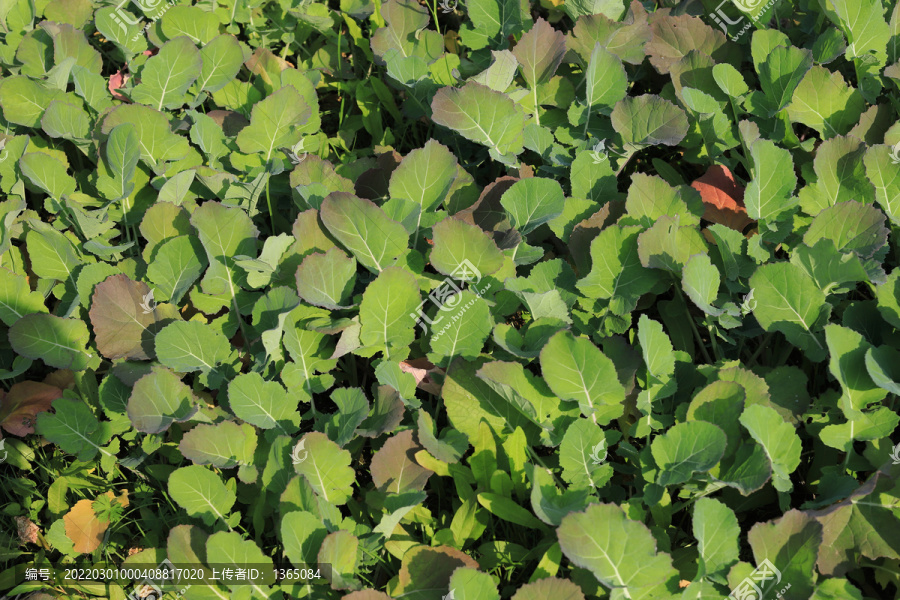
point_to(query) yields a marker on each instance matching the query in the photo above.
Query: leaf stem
(694, 327)
(269, 205)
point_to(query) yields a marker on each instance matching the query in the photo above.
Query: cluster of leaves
(229, 231)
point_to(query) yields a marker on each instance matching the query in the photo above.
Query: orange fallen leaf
(84, 528)
(723, 198)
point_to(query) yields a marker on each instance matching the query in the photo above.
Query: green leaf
(166, 77)
(884, 174)
(17, 299)
(364, 229)
(352, 409)
(326, 468)
(582, 455)
(471, 584)
(717, 532)
(327, 280)
(576, 370)
(459, 245)
(302, 534)
(650, 198)
(700, 281)
(779, 440)
(500, 74)
(262, 403)
(848, 365)
(882, 363)
(177, 264)
(497, 17)
(539, 52)
(825, 102)
(73, 427)
(864, 25)
(225, 232)
(59, 342)
(122, 154)
(549, 587)
(159, 399)
(462, 331)
(789, 301)
(508, 510)
(157, 142)
(605, 82)
(791, 544)
(273, 122)
(66, 120)
(687, 448)
(870, 426)
(781, 72)
(649, 120)
(25, 100)
(201, 493)
(730, 80)
(769, 192)
(532, 202)
(620, 552)
(339, 552)
(425, 176)
(481, 115)
(852, 227)
(199, 25)
(616, 272)
(223, 445)
(470, 400)
(827, 266)
(668, 245)
(222, 59)
(229, 548)
(48, 174)
(52, 255)
(860, 526)
(387, 313)
(528, 394)
(841, 176)
(187, 346)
